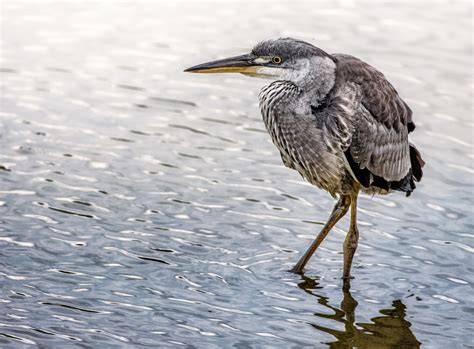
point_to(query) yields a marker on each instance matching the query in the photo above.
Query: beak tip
(191, 70)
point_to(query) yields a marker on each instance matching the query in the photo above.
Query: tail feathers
(406, 184)
(417, 163)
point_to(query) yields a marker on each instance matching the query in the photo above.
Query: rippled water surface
(141, 206)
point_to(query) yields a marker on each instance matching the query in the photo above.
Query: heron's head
(281, 59)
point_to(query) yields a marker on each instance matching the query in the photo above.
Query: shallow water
(140, 206)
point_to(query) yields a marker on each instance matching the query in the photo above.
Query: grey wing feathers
(380, 138)
(383, 151)
(338, 119)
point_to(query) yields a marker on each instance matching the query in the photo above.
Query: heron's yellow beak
(244, 64)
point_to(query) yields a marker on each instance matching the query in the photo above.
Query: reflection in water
(390, 330)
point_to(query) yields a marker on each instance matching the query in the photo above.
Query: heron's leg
(337, 213)
(350, 243)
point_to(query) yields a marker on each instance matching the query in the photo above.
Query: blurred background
(141, 206)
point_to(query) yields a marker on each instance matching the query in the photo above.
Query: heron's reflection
(387, 330)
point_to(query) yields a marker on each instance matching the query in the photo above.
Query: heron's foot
(346, 283)
(296, 269)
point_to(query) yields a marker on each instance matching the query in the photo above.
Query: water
(141, 206)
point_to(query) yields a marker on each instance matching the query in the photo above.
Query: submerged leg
(350, 243)
(337, 213)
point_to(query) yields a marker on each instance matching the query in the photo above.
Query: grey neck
(300, 88)
(316, 78)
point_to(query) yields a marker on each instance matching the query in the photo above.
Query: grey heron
(337, 121)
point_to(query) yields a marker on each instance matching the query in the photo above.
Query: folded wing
(379, 153)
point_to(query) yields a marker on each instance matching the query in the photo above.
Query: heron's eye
(276, 60)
